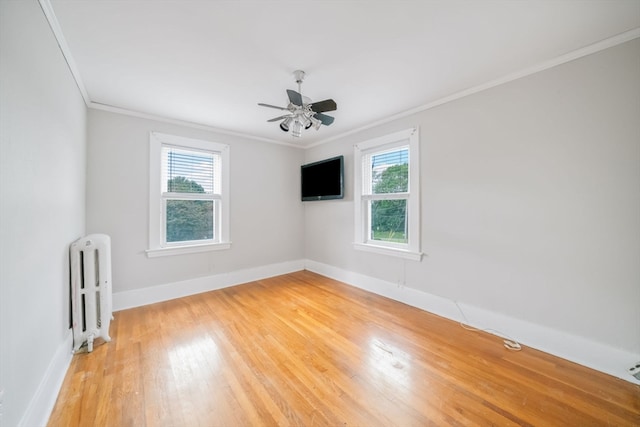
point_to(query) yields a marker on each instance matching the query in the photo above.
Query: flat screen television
(323, 180)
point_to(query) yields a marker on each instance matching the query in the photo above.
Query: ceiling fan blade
(326, 120)
(272, 106)
(275, 119)
(322, 106)
(294, 97)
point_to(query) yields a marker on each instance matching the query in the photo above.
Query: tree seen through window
(389, 217)
(188, 220)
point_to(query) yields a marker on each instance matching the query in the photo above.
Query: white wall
(530, 202)
(42, 198)
(266, 213)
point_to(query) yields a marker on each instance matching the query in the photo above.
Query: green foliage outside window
(180, 184)
(188, 219)
(389, 217)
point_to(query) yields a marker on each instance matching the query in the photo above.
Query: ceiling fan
(302, 112)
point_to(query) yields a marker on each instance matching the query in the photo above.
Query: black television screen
(323, 180)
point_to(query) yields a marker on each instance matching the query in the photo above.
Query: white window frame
(411, 250)
(157, 244)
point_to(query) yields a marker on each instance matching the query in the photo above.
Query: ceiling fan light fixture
(315, 123)
(286, 123)
(305, 122)
(296, 131)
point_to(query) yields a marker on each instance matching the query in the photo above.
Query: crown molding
(554, 62)
(50, 15)
(47, 9)
(562, 59)
(184, 123)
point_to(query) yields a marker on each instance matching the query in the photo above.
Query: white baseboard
(169, 291)
(594, 355)
(591, 354)
(41, 405)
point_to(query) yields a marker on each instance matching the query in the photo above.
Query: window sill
(386, 250)
(191, 249)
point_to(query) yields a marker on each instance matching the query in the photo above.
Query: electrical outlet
(635, 370)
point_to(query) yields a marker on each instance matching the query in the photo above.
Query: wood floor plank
(304, 350)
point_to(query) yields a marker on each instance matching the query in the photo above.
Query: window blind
(190, 171)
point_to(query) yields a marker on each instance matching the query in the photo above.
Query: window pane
(389, 220)
(187, 171)
(390, 171)
(189, 220)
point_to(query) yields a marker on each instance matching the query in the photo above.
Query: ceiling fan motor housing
(299, 76)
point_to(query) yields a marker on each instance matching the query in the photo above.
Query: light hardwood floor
(304, 350)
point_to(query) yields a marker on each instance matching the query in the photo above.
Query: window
(387, 205)
(189, 195)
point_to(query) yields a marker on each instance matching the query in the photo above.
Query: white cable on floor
(509, 343)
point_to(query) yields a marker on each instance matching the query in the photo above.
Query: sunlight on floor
(389, 364)
(194, 360)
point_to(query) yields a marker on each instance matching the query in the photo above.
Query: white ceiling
(211, 62)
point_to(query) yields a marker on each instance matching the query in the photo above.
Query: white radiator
(90, 259)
